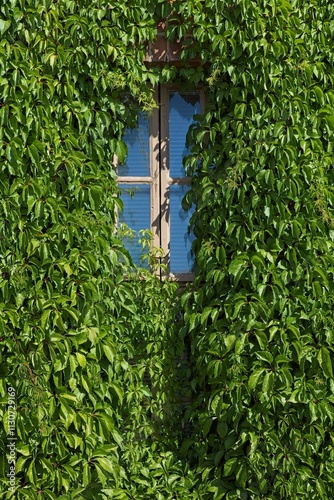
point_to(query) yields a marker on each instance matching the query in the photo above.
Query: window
(153, 181)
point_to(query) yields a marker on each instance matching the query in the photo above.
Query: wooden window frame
(160, 179)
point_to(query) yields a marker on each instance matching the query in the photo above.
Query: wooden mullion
(155, 175)
(164, 177)
(134, 179)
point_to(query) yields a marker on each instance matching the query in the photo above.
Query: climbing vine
(94, 366)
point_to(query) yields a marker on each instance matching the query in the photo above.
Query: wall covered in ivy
(93, 393)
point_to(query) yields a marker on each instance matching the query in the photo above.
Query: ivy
(260, 314)
(106, 403)
(75, 345)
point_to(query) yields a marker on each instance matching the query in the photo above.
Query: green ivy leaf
(4, 25)
(325, 362)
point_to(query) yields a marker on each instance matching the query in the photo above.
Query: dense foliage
(75, 334)
(88, 343)
(261, 317)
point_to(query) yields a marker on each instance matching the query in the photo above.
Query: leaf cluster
(126, 388)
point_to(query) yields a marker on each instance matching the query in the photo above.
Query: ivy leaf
(235, 266)
(268, 382)
(321, 488)
(230, 466)
(101, 476)
(319, 95)
(106, 464)
(117, 390)
(325, 362)
(254, 378)
(109, 352)
(121, 151)
(81, 359)
(4, 25)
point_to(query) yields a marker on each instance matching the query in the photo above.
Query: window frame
(159, 178)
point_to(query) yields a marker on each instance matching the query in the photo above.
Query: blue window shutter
(181, 258)
(136, 215)
(137, 162)
(182, 108)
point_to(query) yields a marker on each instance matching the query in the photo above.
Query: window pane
(137, 162)
(181, 259)
(182, 107)
(136, 215)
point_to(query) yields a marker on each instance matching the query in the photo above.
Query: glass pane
(137, 162)
(136, 215)
(181, 259)
(182, 107)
